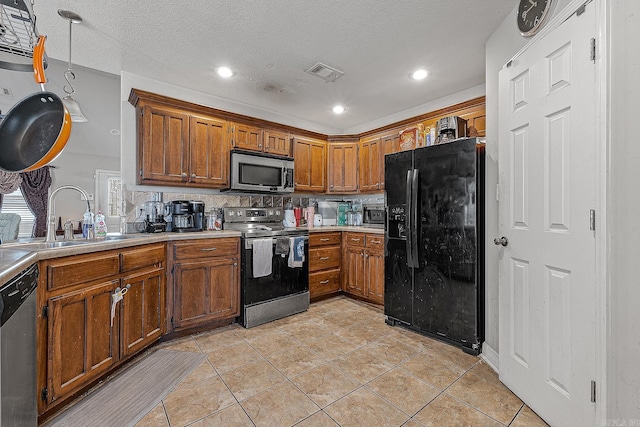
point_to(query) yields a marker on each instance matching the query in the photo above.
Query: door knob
(501, 241)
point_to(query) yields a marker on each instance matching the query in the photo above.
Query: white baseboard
(490, 356)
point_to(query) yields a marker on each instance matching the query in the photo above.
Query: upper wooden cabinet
(276, 142)
(208, 152)
(178, 148)
(310, 162)
(343, 167)
(246, 137)
(371, 174)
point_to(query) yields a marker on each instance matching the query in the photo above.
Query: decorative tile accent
(255, 201)
(245, 202)
(267, 201)
(304, 202)
(277, 201)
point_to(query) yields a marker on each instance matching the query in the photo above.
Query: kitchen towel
(296, 252)
(262, 253)
(282, 246)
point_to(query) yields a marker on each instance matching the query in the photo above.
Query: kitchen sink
(40, 245)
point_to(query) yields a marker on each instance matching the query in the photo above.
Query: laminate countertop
(17, 256)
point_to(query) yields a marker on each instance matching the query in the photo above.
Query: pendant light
(69, 75)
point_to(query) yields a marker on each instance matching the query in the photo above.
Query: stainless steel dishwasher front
(18, 405)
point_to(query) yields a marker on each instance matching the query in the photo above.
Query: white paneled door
(547, 175)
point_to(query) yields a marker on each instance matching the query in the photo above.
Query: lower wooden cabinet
(206, 281)
(81, 343)
(324, 263)
(363, 266)
(79, 338)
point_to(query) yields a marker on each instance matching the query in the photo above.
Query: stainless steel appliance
(450, 128)
(18, 406)
(261, 173)
(375, 215)
(154, 217)
(187, 216)
(283, 292)
(434, 242)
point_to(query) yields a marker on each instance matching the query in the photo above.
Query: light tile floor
(337, 364)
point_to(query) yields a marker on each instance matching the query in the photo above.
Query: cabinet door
(343, 167)
(310, 162)
(354, 270)
(246, 137)
(206, 290)
(371, 164)
(141, 310)
(277, 143)
(374, 276)
(390, 144)
(163, 153)
(209, 153)
(82, 344)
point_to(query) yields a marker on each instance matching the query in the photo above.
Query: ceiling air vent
(325, 72)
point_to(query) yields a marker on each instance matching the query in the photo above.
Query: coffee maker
(450, 128)
(154, 217)
(187, 215)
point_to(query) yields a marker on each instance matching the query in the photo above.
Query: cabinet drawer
(67, 272)
(324, 282)
(355, 239)
(324, 239)
(324, 258)
(142, 256)
(375, 241)
(205, 248)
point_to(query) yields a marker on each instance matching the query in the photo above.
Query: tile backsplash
(134, 200)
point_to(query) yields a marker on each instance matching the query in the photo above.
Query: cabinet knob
(193, 175)
(183, 174)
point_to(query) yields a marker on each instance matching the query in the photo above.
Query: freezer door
(445, 283)
(395, 176)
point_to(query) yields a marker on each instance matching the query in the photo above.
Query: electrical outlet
(90, 197)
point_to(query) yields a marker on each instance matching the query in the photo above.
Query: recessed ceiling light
(338, 109)
(225, 72)
(419, 74)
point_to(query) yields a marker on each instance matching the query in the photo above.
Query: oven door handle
(248, 243)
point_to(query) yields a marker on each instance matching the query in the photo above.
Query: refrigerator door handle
(415, 220)
(407, 219)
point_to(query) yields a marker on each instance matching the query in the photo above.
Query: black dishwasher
(18, 350)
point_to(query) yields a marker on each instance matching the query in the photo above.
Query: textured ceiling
(270, 44)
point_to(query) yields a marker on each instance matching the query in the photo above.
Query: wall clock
(531, 15)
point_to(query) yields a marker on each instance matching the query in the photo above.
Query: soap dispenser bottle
(100, 225)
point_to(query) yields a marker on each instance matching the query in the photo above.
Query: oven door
(283, 281)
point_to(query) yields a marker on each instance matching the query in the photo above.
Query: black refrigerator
(434, 242)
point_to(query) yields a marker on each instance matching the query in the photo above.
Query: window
(14, 203)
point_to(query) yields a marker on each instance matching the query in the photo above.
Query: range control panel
(232, 214)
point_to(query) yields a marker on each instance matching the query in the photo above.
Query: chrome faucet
(51, 224)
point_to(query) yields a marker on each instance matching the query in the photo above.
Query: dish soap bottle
(87, 225)
(100, 228)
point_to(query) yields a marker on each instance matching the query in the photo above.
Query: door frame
(602, 151)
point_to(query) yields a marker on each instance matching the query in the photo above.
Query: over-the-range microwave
(260, 173)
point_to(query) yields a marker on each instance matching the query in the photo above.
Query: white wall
(624, 208)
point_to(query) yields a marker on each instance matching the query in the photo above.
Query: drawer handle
(324, 258)
(354, 239)
(324, 239)
(376, 242)
(209, 249)
(324, 282)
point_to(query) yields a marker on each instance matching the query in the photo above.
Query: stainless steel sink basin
(67, 243)
(51, 245)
